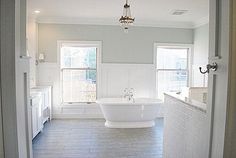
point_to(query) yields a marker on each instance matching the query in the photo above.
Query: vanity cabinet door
(40, 114)
(34, 120)
(37, 121)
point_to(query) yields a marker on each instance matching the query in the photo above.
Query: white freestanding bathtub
(137, 113)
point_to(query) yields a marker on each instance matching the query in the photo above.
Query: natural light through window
(79, 73)
(172, 69)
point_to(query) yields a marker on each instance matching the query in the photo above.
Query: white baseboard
(78, 116)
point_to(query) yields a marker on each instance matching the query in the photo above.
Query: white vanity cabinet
(41, 103)
(46, 101)
(36, 114)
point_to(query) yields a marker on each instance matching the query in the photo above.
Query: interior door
(1, 130)
(1, 124)
(230, 136)
(218, 80)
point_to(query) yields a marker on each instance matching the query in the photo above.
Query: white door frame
(14, 100)
(230, 132)
(1, 124)
(219, 28)
(8, 88)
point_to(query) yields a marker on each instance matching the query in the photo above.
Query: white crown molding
(165, 24)
(95, 21)
(200, 22)
(144, 23)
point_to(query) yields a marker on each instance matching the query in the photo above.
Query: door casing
(230, 131)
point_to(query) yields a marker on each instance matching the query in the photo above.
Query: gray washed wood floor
(90, 139)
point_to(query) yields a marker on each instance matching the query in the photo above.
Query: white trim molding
(115, 22)
(81, 111)
(201, 22)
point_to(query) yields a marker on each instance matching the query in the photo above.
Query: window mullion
(78, 69)
(172, 70)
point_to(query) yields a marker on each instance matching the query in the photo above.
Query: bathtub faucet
(129, 93)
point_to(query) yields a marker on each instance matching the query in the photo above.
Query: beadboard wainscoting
(114, 78)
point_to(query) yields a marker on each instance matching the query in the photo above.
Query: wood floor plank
(88, 138)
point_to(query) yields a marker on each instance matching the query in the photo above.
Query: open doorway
(67, 60)
(127, 67)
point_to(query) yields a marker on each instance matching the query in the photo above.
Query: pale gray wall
(21, 97)
(200, 57)
(117, 47)
(201, 44)
(32, 35)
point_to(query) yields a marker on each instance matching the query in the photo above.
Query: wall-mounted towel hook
(209, 67)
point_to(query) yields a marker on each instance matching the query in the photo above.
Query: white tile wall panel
(184, 130)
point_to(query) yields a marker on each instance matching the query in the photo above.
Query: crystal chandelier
(126, 20)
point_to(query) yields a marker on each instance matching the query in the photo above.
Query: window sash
(175, 70)
(62, 82)
(170, 70)
(188, 66)
(174, 48)
(78, 46)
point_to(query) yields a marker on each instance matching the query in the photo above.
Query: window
(78, 72)
(172, 63)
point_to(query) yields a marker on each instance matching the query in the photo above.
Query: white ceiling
(146, 12)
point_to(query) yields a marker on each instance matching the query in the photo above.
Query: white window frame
(174, 45)
(98, 45)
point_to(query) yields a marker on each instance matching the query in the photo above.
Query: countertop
(192, 103)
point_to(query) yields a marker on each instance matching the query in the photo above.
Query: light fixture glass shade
(126, 19)
(41, 57)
